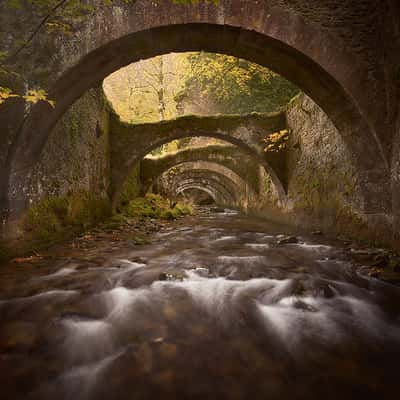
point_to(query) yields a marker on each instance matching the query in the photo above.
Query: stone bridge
(229, 157)
(130, 143)
(223, 185)
(343, 55)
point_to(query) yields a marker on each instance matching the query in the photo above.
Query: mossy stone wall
(76, 158)
(325, 190)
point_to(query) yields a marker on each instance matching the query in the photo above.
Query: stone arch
(231, 158)
(268, 33)
(240, 189)
(228, 189)
(121, 174)
(201, 189)
(213, 191)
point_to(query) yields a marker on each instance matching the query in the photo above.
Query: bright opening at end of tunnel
(196, 83)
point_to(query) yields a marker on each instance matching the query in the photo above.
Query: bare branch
(36, 30)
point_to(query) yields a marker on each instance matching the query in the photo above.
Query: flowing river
(213, 308)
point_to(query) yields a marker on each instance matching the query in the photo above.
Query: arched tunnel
(199, 199)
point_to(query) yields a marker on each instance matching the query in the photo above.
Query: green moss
(132, 185)
(139, 239)
(154, 206)
(56, 218)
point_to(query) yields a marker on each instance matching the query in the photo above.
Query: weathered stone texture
(325, 188)
(130, 143)
(220, 182)
(230, 157)
(76, 157)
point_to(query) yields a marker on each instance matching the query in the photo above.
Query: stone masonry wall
(324, 189)
(323, 182)
(76, 158)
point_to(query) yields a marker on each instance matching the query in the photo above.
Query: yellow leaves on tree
(5, 94)
(32, 96)
(276, 141)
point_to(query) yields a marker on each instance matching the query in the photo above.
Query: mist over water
(216, 309)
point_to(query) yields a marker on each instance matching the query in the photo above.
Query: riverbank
(132, 224)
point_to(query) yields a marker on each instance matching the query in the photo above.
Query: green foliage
(55, 218)
(234, 85)
(195, 83)
(276, 141)
(5, 94)
(34, 96)
(132, 186)
(50, 17)
(154, 206)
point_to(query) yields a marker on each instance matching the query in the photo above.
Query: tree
(145, 91)
(49, 17)
(232, 85)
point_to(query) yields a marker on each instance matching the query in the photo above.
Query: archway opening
(199, 197)
(265, 50)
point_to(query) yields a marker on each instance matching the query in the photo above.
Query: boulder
(288, 240)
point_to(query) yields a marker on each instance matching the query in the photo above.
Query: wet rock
(390, 276)
(302, 305)
(366, 255)
(328, 291)
(139, 260)
(316, 233)
(164, 276)
(300, 270)
(203, 272)
(299, 289)
(381, 260)
(288, 240)
(374, 273)
(218, 209)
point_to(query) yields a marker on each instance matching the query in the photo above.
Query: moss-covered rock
(154, 206)
(59, 217)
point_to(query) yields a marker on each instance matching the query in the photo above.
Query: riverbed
(219, 306)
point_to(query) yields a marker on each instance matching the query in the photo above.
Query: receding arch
(211, 157)
(201, 190)
(208, 174)
(192, 167)
(222, 194)
(239, 42)
(241, 144)
(269, 42)
(209, 190)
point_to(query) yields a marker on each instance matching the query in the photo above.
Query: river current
(214, 308)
